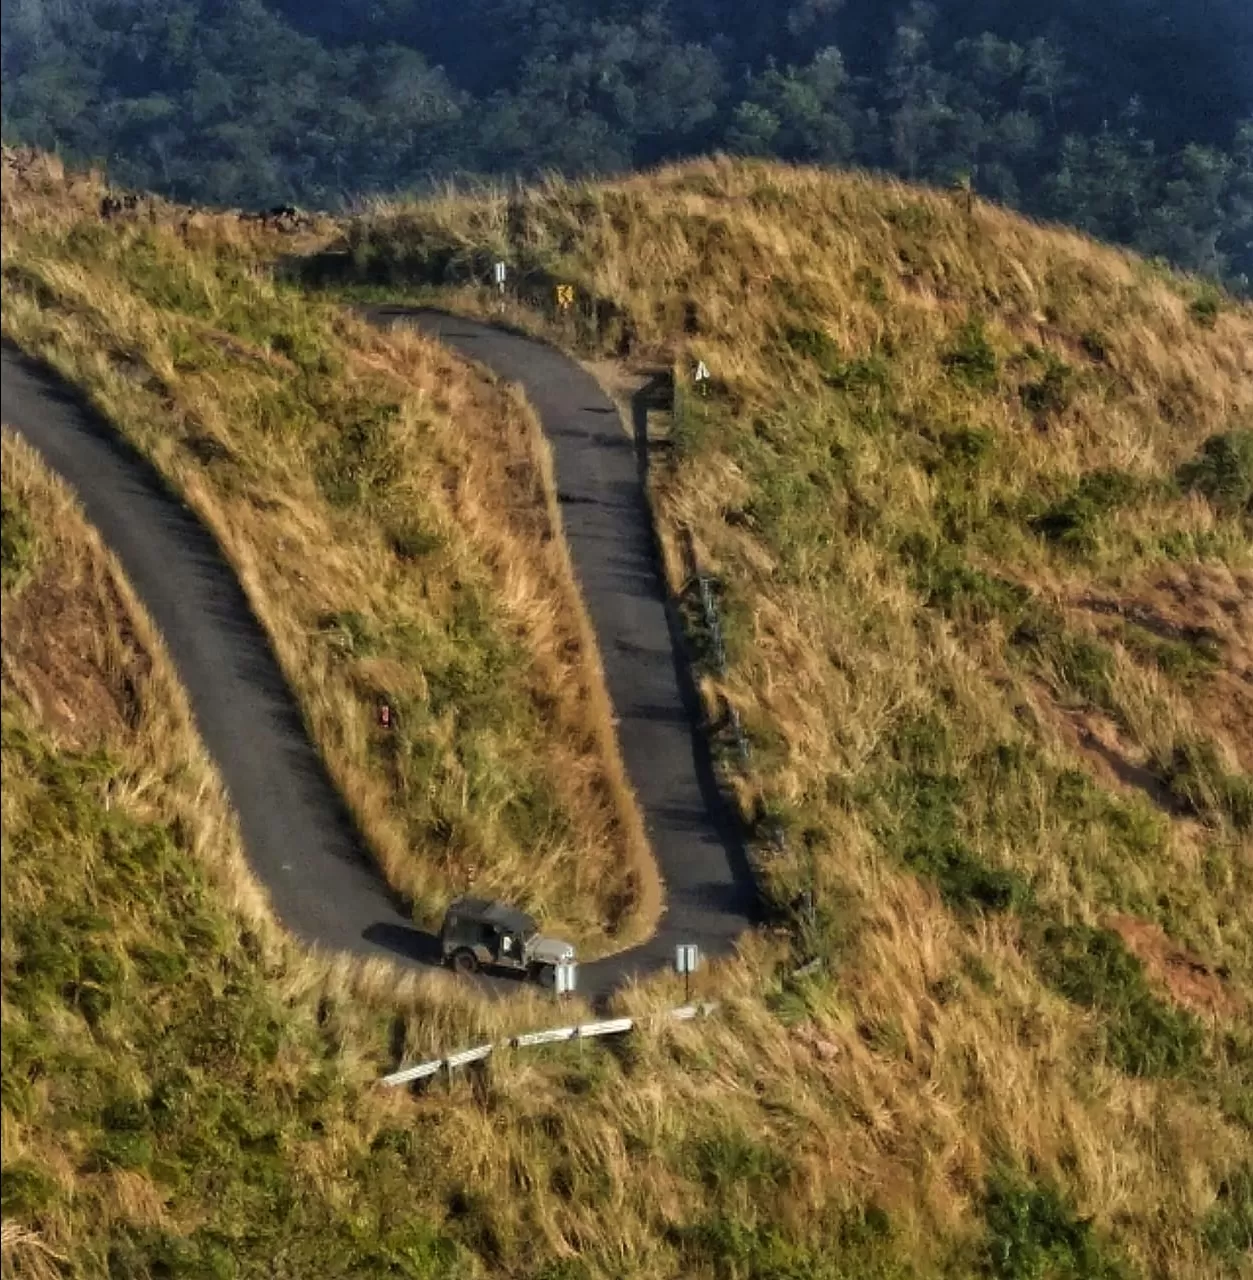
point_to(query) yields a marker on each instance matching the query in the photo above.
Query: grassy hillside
(391, 521)
(186, 1095)
(180, 1087)
(977, 497)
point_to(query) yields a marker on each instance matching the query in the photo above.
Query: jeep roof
(491, 912)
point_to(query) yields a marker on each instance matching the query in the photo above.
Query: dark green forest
(1132, 119)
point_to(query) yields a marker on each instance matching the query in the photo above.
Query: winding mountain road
(299, 838)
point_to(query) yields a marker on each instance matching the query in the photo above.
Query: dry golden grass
(441, 562)
(900, 386)
(834, 649)
(852, 1123)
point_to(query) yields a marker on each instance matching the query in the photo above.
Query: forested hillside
(1132, 120)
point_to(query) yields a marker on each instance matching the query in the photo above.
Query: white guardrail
(552, 1035)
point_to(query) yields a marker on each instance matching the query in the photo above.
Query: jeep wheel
(465, 961)
(546, 976)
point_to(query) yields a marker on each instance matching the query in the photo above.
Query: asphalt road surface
(300, 840)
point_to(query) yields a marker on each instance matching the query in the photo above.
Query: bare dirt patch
(1207, 605)
(1190, 980)
(1114, 759)
(1189, 603)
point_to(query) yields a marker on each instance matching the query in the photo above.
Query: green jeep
(481, 934)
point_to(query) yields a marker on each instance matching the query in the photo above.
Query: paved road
(299, 839)
(709, 891)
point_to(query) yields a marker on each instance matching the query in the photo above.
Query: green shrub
(1133, 826)
(1223, 471)
(1079, 665)
(870, 372)
(965, 881)
(972, 360)
(817, 346)
(797, 1000)
(1074, 521)
(26, 1189)
(1205, 308)
(873, 285)
(1228, 1226)
(1199, 783)
(1187, 661)
(1085, 667)
(17, 543)
(728, 1158)
(411, 541)
(926, 836)
(1143, 1036)
(1095, 345)
(349, 632)
(967, 446)
(1033, 1233)
(158, 966)
(534, 811)
(121, 1150)
(302, 344)
(1052, 392)
(961, 592)
(360, 459)
(697, 426)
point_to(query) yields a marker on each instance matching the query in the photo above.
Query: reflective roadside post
(686, 960)
(565, 977)
(702, 377)
(499, 272)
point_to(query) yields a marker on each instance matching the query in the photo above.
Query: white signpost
(499, 272)
(702, 376)
(686, 962)
(565, 977)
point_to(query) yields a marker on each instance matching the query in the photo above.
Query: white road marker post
(499, 273)
(686, 961)
(702, 377)
(565, 979)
